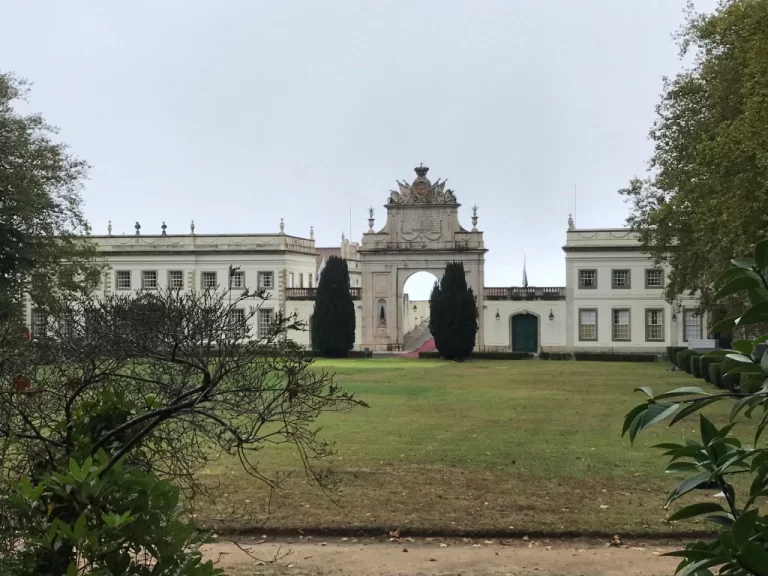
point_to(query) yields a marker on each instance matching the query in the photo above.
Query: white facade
(612, 299)
(610, 281)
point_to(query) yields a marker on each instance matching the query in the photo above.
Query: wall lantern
(414, 307)
(674, 316)
(498, 316)
(551, 314)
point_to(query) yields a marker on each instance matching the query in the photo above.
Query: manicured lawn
(507, 445)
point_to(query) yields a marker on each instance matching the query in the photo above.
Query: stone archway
(422, 233)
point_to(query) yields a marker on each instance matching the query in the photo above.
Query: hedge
(616, 356)
(352, 354)
(730, 381)
(556, 356)
(696, 366)
(486, 355)
(715, 375)
(751, 383)
(684, 360)
(672, 352)
(704, 364)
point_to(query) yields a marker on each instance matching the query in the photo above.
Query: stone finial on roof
(163, 228)
(571, 225)
(311, 232)
(109, 227)
(192, 227)
(137, 226)
(282, 226)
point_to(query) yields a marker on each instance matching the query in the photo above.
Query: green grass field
(493, 445)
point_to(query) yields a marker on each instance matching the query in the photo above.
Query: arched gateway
(422, 233)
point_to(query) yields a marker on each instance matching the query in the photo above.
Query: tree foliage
(453, 314)
(713, 462)
(156, 384)
(43, 248)
(706, 193)
(333, 321)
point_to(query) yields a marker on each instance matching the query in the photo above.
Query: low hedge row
(586, 356)
(715, 375)
(352, 354)
(616, 356)
(704, 364)
(672, 352)
(730, 381)
(486, 355)
(751, 383)
(683, 359)
(696, 366)
(556, 356)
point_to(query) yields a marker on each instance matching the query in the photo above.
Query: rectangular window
(620, 279)
(301, 280)
(290, 280)
(238, 279)
(265, 322)
(588, 279)
(654, 278)
(621, 330)
(310, 281)
(149, 280)
(176, 279)
(237, 316)
(588, 325)
(123, 279)
(691, 325)
(66, 325)
(654, 325)
(208, 280)
(266, 280)
(39, 323)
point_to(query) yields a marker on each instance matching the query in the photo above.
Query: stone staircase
(417, 337)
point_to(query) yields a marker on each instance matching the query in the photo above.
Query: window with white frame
(208, 280)
(67, 327)
(176, 279)
(654, 325)
(266, 280)
(290, 280)
(620, 279)
(691, 325)
(588, 324)
(654, 278)
(588, 279)
(237, 317)
(264, 322)
(39, 323)
(301, 280)
(621, 325)
(149, 280)
(310, 281)
(123, 279)
(238, 279)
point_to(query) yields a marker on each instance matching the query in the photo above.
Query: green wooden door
(525, 333)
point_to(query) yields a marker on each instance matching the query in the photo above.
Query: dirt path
(433, 557)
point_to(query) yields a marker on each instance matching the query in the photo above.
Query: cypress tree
(453, 314)
(333, 321)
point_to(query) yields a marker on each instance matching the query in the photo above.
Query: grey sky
(238, 113)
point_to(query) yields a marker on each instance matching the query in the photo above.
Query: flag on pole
(525, 274)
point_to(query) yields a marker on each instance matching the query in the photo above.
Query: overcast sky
(238, 113)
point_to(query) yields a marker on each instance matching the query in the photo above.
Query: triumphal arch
(422, 233)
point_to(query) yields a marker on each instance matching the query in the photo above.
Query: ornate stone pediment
(422, 191)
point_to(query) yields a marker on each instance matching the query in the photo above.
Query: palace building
(612, 299)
